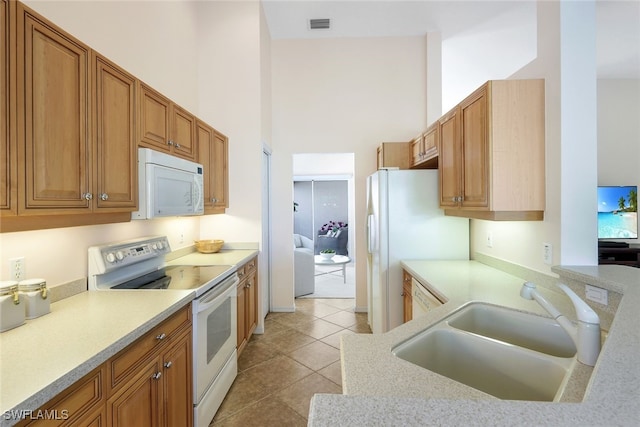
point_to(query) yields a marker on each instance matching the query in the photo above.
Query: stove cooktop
(180, 277)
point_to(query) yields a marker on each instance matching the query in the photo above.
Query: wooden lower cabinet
(148, 383)
(407, 299)
(247, 302)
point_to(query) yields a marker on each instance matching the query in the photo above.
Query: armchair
(337, 243)
(303, 265)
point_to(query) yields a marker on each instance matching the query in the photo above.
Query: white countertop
(40, 359)
(380, 389)
(224, 257)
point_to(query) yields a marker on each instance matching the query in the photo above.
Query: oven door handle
(209, 300)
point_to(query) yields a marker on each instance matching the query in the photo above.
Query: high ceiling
(618, 23)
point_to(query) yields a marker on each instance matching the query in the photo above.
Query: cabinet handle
(240, 274)
(214, 200)
(104, 196)
(156, 376)
(177, 145)
(170, 142)
(87, 196)
(168, 364)
(161, 336)
(402, 294)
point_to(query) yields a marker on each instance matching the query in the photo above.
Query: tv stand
(608, 244)
(621, 255)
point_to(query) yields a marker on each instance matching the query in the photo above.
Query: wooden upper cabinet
(213, 153)
(424, 149)
(394, 154)
(183, 137)
(449, 161)
(155, 119)
(475, 150)
(8, 154)
(53, 119)
(115, 137)
(165, 126)
(491, 153)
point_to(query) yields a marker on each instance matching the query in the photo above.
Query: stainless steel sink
(526, 360)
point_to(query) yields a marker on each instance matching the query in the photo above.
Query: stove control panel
(104, 258)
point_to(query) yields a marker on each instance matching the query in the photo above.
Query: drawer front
(124, 363)
(250, 266)
(74, 403)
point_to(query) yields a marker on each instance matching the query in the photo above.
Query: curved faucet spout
(586, 335)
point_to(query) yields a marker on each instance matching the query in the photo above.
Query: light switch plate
(598, 295)
(547, 253)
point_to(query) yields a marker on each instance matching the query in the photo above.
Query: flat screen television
(618, 212)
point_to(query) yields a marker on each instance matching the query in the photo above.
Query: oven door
(214, 333)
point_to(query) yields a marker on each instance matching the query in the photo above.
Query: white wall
(229, 87)
(619, 132)
(336, 96)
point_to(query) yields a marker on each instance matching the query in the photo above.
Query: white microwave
(168, 186)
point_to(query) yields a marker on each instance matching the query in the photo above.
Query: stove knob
(119, 255)
(111, 257)
(158, 246)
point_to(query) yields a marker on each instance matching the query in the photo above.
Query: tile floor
(297, 356)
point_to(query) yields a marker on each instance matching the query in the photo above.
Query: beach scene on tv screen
(618, 212)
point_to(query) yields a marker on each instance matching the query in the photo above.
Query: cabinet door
(115, 144)
(177, 374)
(251, 304)
(53, 126)
(241, 315)
(417, 148)
(449, 160)
(155, 113)
(431, 137)
(183, 141)
(8, 174)
(475, 150)
(205, 136)
(221, 171)
(140, 401)
(407, 299)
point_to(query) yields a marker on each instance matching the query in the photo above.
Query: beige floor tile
(289, 341)
(277, 373)
(342, 318)
(242, 393)
(341, 303)
(333, 372)
(316, 355)
(318, 309)
(256, 352)
(298, 395)
(318, 328)
(334, 339)
(360, 328)
(292, 319)
(267, 413)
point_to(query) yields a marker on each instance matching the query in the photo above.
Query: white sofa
(303, 265)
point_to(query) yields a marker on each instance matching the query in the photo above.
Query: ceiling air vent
(319, 24)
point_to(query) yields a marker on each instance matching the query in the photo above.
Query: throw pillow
(297, 241)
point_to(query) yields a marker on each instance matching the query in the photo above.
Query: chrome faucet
(586, 335)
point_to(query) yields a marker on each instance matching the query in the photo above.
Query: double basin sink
(503, 352)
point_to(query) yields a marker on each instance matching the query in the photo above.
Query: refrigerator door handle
(370, 230)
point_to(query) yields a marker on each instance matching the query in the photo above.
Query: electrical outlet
(17, 268)
(547, 253)
(597, 294)
(489, 239)
(181, 238)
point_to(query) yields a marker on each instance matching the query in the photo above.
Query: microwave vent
(319, 24)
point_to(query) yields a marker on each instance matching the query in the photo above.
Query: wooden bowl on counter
(208, 246)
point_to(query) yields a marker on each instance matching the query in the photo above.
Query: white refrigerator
(404, 222)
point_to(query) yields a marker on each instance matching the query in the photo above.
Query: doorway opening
(324, 224)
